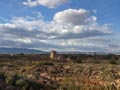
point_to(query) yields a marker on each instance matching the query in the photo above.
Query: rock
(117, 81)
(30, 76)
(51, 69)
(45, 75)
(37, 69)
(67, 67)
(23, 70)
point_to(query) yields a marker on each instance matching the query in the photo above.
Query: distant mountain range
(4, 50)
(91, 53)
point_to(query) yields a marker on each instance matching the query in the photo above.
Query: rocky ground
(52, 75)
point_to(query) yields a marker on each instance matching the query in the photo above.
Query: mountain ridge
(7, 50)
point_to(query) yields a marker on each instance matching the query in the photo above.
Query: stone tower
(53, 55)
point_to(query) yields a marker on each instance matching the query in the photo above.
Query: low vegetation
(55, 75)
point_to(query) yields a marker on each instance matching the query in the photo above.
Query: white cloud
(94, 44)
(73, 23)
(47, 3)
(67, 24)
(70, 29)
(72, 16)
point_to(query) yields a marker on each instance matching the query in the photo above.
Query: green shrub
(11, 79)
(118, 61)
(2, 65)
(45, 63)
(10, 65)
(113, 62)
(20, 82)
(2, 75)
(96, 61)
(78, 61)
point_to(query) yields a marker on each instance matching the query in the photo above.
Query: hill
(4, 50)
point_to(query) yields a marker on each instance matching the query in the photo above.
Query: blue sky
(63, 25)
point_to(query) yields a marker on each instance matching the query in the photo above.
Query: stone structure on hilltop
(53, 54)
(59, 57)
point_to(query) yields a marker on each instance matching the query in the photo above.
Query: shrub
(2, 75)
(78, 61)
(49, 63)
(11, 79)
(45, 63)
(20, 82)
(113, 62)
(2, 65)
(96, 61)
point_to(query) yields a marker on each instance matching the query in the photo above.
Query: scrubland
(57, 75)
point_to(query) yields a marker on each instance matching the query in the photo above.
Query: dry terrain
(56, 75)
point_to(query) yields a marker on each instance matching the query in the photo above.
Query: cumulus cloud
(46, 3)
(67, 24)
(74, 17)
(92, 44)
(73, 23)
(69, 30)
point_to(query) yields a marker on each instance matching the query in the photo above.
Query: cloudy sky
(63, 25)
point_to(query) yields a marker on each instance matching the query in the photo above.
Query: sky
(61, 25)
